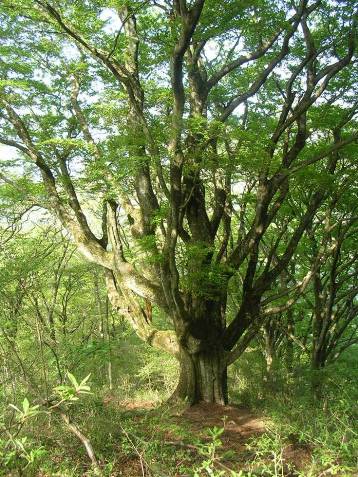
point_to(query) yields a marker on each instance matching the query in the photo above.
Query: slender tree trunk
(289, 345)
(203, 377)
(317, 364)
(269, 351)
(85, 441)
(110, 383)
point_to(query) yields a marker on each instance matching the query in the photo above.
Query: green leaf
(73, 380)
(84, 381)
(25, 405)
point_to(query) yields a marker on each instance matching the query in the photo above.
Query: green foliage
(26, 412)
(220, 215)
(322, 431)
(20, 453)
(209, 451)
(69, 394)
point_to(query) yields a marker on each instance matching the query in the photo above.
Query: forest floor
(220, 436)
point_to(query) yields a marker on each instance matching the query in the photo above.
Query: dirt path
(239, 426)
(192, 426)
(239, 423)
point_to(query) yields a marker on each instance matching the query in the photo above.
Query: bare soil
(237, 421)
(240, 426)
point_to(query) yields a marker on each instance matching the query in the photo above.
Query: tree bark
(269, 350)
(85, 441)
(203, 377)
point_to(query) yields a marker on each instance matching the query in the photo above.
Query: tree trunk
(317, 364)
(269, 350)
(203, 377)
(289, 344)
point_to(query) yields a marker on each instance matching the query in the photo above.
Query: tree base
(203, 378)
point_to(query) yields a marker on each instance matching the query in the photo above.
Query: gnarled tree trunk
(203, 377)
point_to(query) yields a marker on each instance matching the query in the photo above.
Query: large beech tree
(169, 137)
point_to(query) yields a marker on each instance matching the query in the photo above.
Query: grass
(304, 437)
